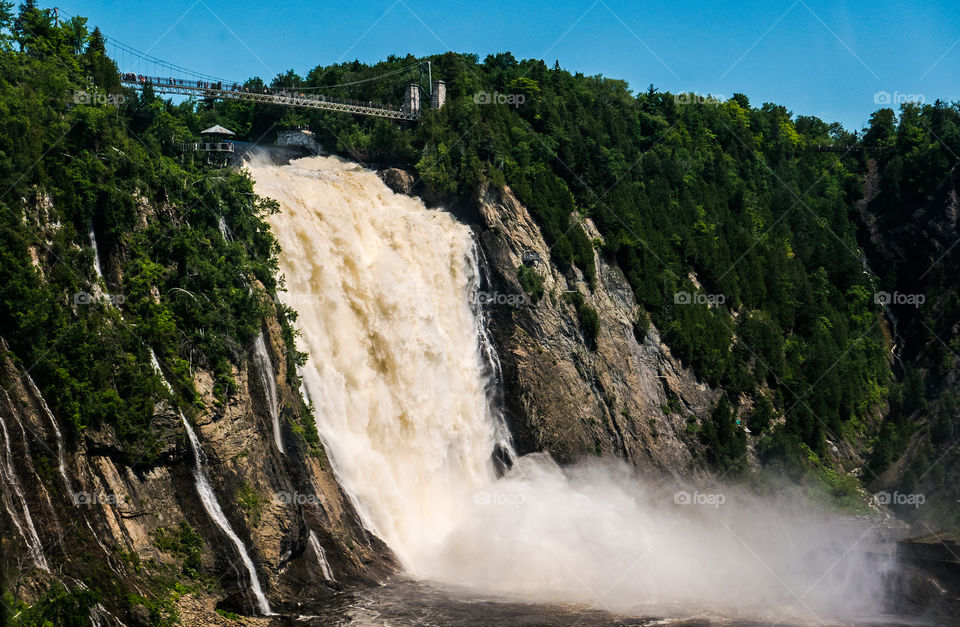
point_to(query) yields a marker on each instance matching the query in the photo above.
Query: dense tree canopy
(70, 163)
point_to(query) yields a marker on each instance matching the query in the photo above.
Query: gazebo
(215, 139)
(218, 132)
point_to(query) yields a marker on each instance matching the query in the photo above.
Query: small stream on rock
(212, 506)
(321, 556)
(22, 519)
(61, 449)
(96, 251)
(261, 359)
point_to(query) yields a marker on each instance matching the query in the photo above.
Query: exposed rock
(201, 610)
(111, 506)
(400, 181)
(628, 396)
(280, 498)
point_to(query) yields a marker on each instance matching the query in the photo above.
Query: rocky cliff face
(84, 511)
(622, 394)
(104, 518)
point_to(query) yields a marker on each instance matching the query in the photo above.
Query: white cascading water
(304, 393)
(224, 229)
(96, 252)
(321, 556)
(24, 525)
(398, 376)
(212, 506)
(61, 449)
(395, 373)
(264, 366)
(31, 468)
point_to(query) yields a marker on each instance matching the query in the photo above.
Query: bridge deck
(237, 92)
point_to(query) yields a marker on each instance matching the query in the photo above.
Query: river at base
(403, 601)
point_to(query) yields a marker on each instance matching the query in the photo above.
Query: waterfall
(321, 556)
(304, 393)
(31, 468)
(504, 452)
(24, 525)
(212, 506)
(215, 512)
(396, 370)
(61, 450)
(897, 348)
(156, 368)
(264, 366)
(96, 251)
(224, 229)
(400, 372)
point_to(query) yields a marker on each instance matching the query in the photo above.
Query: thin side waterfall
(61, 449)
(96, 251)
(404, 381)
(212, 506)
(261, 359)
(224, 229)
(304, 393)
(321, 556)
(504, 453)
(156, 367)
(110, 555)
(24, 525)
(897, 347)
(31, 468)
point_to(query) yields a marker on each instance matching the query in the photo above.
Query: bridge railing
(206, 146)
(278, 96)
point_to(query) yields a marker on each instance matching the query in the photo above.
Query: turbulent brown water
(386, 294)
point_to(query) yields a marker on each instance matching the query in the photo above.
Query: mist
(597, 533)
(386, 291)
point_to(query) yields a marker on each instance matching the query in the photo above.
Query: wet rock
(625, 396)
(400, 181)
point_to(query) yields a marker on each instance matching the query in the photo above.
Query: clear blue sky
(816, 57)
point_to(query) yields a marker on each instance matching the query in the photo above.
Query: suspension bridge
(141, 71)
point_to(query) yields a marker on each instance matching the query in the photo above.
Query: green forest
(748, 206)
(186, 292)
